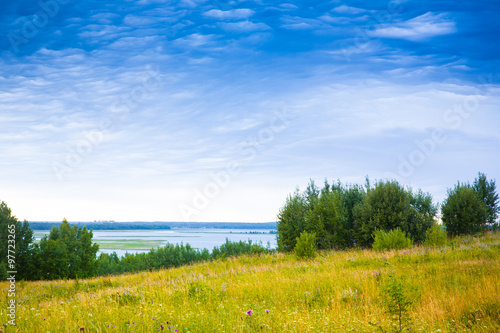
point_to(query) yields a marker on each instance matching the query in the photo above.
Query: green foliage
(306, 246)
(326, 220)
(398, 297)
(389, 240)
(463, 211)
(436, 236)
(67, 252)
(3, 271)
(389, 205)
(487, 192)
(329, 213)
(172, 255)
(291, 221)
(18, 238)
(343, 216)
(351, 196)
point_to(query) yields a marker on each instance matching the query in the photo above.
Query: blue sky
(195, 110)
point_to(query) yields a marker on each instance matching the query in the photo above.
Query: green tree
(291, 221)
(68, 252)
(311, 194)
(24, 252)
(326, 219)
(487, 192)
(388, 205)
(305, 247)
(399, 296)
(351, 196)
(463, 211)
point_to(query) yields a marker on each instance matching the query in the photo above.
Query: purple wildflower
(267, 310)
(249, 312)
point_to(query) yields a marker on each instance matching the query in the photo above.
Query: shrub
(306, 246)
(390, 205)
(290, 222)
(436, 236)
(463, 211)
(399, 297)
(394, 239)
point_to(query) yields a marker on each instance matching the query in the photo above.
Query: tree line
(347, 215)
(68, 252)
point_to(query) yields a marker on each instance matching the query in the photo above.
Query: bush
(436, 236)
(290, 222)
(388, 240)
(399, 297)
(463, 211)
(305, 247)
(389, 205)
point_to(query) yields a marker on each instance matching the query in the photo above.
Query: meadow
(454, 288)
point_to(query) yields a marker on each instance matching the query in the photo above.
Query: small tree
(463, 211)
(391, 240)
(68, 252)
(398, 297)
(306, 246)
(487, 192)
(291, 221)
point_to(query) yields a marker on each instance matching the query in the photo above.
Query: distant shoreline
(156, 225)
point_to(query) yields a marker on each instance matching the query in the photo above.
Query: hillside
(451, 289)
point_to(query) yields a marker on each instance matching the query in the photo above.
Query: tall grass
(458, 290)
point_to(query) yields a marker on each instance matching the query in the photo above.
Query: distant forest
(155, 225)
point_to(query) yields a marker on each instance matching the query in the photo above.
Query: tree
(24, 252)
(487, 193)
(291, 221)
(326, 220)
(68, 252)
(388, 205)
(306, 246)
(351, 196)
(463, 211)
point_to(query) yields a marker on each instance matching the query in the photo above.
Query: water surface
(139, 241)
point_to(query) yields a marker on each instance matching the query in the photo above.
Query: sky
(193, 110)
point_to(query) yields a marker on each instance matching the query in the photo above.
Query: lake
(139, 241)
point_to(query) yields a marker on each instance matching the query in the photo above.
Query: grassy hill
(455, 288)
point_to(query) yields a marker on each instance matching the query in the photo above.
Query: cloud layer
(215, 111)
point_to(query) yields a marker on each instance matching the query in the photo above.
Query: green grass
(456, 288)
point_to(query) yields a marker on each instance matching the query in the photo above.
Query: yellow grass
(458, 290)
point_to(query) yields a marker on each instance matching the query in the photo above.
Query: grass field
(455, 288)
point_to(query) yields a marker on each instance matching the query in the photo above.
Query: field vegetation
(450, 288)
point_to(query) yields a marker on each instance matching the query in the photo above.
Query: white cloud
(245, 26)
(302, 23)
(417, 29)
(241, 13)
(348, 10)
(137, 20)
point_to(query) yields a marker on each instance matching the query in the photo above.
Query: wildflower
(267, 310)
(161, 327)
(249, 312)
(82, 329)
